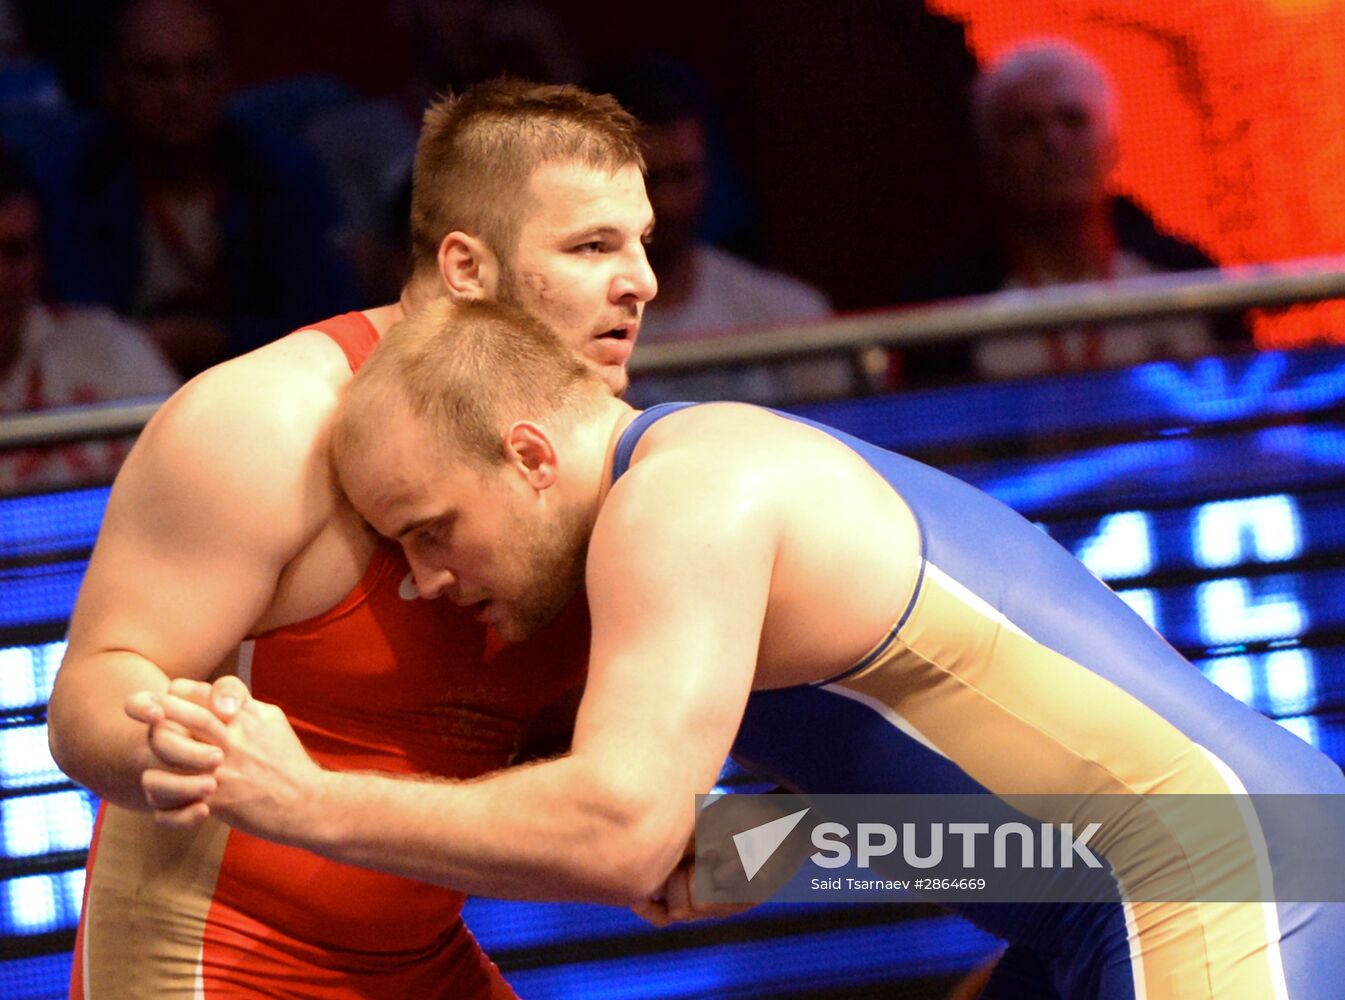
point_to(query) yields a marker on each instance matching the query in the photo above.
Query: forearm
(546, 831)
(91, 738)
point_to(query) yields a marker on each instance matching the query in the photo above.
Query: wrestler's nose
(635, 281)
(432, 581)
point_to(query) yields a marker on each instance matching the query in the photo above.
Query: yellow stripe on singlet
(1022, 719)
(149, 894)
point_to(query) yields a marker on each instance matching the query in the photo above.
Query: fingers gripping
(177, 750)
(187, 734)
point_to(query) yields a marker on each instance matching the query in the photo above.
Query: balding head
(1045, 117)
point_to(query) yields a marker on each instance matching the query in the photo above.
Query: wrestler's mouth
(471, 607)
(613, 347)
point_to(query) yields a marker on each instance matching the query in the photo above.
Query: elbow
(71, 754)
(640, 842)
(56, 746)
(60, 738)
(642, 878)
(70, 739)
(632, 878)
(631, 874)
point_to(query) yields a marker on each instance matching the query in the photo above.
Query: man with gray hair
(1046, 125)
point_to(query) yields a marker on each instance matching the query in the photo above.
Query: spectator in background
(1046, 123)
(704, 289)
(366, 147)
(51, 356)
(216, 236)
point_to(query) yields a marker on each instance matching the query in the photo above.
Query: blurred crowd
(156, 218)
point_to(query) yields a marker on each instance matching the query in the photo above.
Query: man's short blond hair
(467, 371)
(478, 150)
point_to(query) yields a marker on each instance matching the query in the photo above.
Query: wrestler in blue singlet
(1014, 671)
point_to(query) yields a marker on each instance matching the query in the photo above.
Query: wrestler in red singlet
(383, 681)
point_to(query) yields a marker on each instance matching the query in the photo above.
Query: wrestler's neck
(382, 317)
(415, 295)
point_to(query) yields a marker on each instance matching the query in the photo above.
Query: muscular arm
(214, 500)
(678, 576)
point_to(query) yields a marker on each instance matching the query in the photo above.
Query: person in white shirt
(703, 289)
(55, 356)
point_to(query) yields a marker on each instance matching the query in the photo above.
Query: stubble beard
(555, 557)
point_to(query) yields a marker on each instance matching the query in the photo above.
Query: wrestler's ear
(528, 449)
(468, 268)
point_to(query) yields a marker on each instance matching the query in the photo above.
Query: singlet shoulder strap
(630, 437)
(353, 333)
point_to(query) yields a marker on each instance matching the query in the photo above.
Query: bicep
(678, 594)
(188, 557)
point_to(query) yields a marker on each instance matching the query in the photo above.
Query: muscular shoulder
(247, 437)
(736, 439)
(739, 457)
(718, 460)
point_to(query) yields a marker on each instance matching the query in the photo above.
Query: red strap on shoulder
(353, 333)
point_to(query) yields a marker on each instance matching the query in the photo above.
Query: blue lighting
(1260, 529)
(27, 674)
(42, 594)
(1237, 611)
(1211, 390)
(1304, 727)
(1046, 483)
(1167, 396)
(1122, 547)
(1235, 675)
(25, 759)
(51, 522)
(45, 976)
(33, 825)
(1218, 521)
(1215, 535)
(851, 957)
(33, 903)
(40, 904)
(1280, 683)
(1145, 604)
(507, 925)
(1290, 681)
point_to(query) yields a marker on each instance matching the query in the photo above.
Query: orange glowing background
(1231, 115)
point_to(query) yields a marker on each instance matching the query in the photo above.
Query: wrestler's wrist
(322, 809)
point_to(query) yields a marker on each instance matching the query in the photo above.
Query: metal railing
(1149, 297)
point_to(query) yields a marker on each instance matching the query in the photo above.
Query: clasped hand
(215, 750)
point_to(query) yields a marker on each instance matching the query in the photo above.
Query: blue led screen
(1209, 495)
